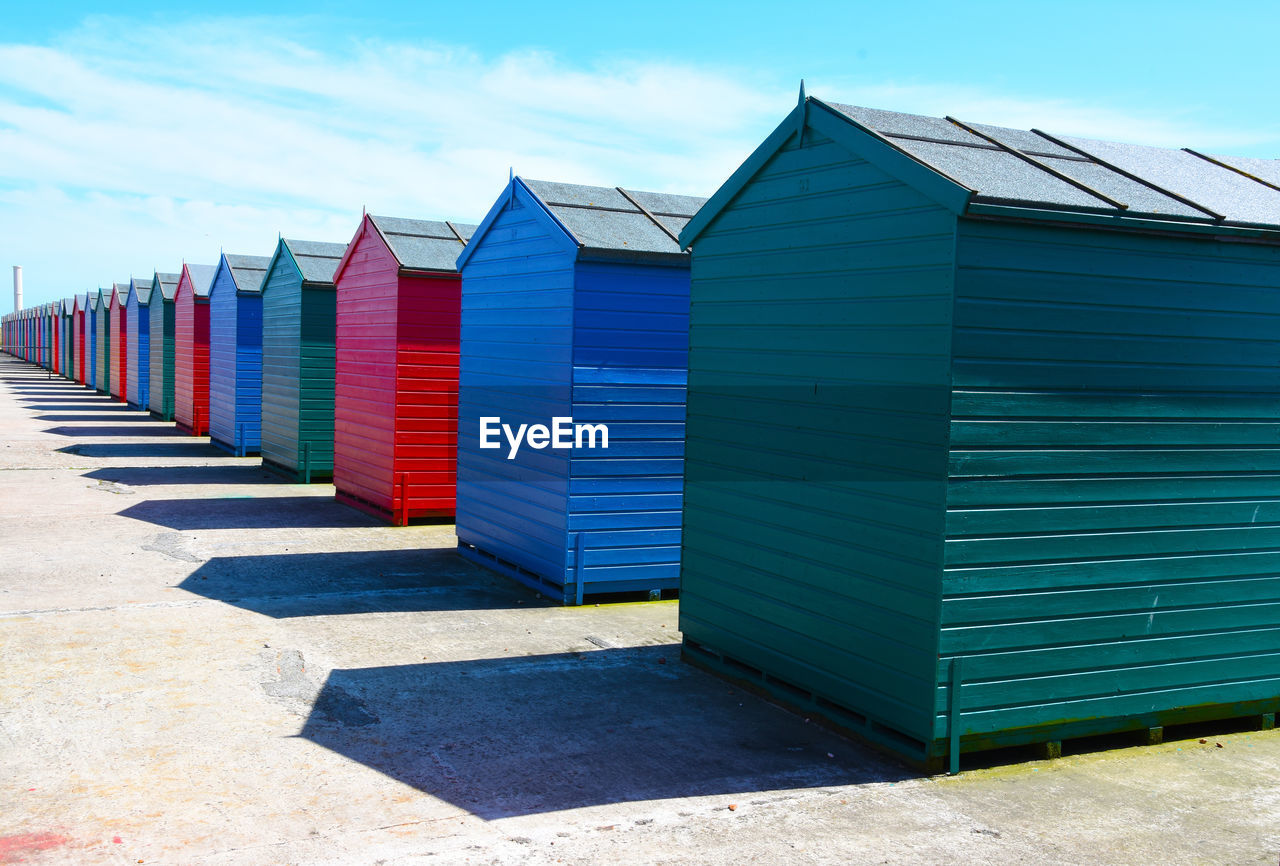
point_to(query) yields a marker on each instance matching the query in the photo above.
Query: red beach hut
(396, 383)
(191, 349)
(119, 335)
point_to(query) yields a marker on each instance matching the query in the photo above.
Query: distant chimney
(17, 288)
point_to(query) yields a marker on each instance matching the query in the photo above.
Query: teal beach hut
(983, 433)
(299, 310)
(160, 310)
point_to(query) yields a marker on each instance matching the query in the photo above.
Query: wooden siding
(235, 366)
(395, 400)
(102, 365)
(516, 364)
(317, 375)
(1112, 509)
(191, 360)
(91, 345)
(365, 388)
(161, 356)
(298, 328)
(816, 433)
(281, 351)
(429, 312)
(630, 364)
(138, 319)
(119, 347)
(77, 345)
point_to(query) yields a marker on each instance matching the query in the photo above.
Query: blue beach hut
(575, 304)
(235, 353)
(137, 317)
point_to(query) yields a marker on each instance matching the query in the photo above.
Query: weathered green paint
(103, 353)
(1040, 457)
(298, 328)
(162, 312)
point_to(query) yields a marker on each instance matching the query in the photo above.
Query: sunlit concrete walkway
(200, 664)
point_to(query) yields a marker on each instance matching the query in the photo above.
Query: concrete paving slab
(204, 665)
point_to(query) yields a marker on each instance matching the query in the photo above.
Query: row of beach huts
(957, 436)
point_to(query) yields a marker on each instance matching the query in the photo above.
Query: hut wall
(365, 380)
(817, 434)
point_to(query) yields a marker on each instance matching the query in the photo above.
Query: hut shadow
(109, 430)
(101, 414)
(148, 476)
(289, 585)
(74, 404)
(183, 446)
(249, 512)
(533, 734)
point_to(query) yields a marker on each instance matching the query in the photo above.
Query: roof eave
(651, 257)
(1140, 222)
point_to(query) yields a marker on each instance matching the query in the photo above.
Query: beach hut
(191, 349)
(54, 344)
(119, 339)
(102, 343)
(235, 354)
(575, 306)
(395, 390)
(78, 309)
(91, 340)
(160, 311)
(299, 310)
(982, 432)
(68, 338)
(138, 343)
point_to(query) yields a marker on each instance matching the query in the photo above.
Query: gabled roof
(981, 169)
(608, 222)
(428, 246)
(68, 306)
(423, 245)
(200, 277)
(246, 272)
(141, 288)
(316, 261)
(121, 293)
(166, 283)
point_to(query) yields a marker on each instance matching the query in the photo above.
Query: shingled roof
(167, 283)
(317, 260)
(1037, 168)
(247, 272)
(201, 279)
(980, 168)
(142, 288)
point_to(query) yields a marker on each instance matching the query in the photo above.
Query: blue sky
(133, 140)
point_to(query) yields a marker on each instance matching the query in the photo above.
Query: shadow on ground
(354, 582)
(107, 430)
(86, 405)
(182, 446)
(533, 734)
(248, 512)
(147, 476)
(102, 415)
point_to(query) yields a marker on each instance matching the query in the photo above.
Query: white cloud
(125, 148)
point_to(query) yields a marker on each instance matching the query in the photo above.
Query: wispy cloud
(125, 148)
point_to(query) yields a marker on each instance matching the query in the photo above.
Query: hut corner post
(953, 716)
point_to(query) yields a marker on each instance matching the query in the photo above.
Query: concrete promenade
(201, 664)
